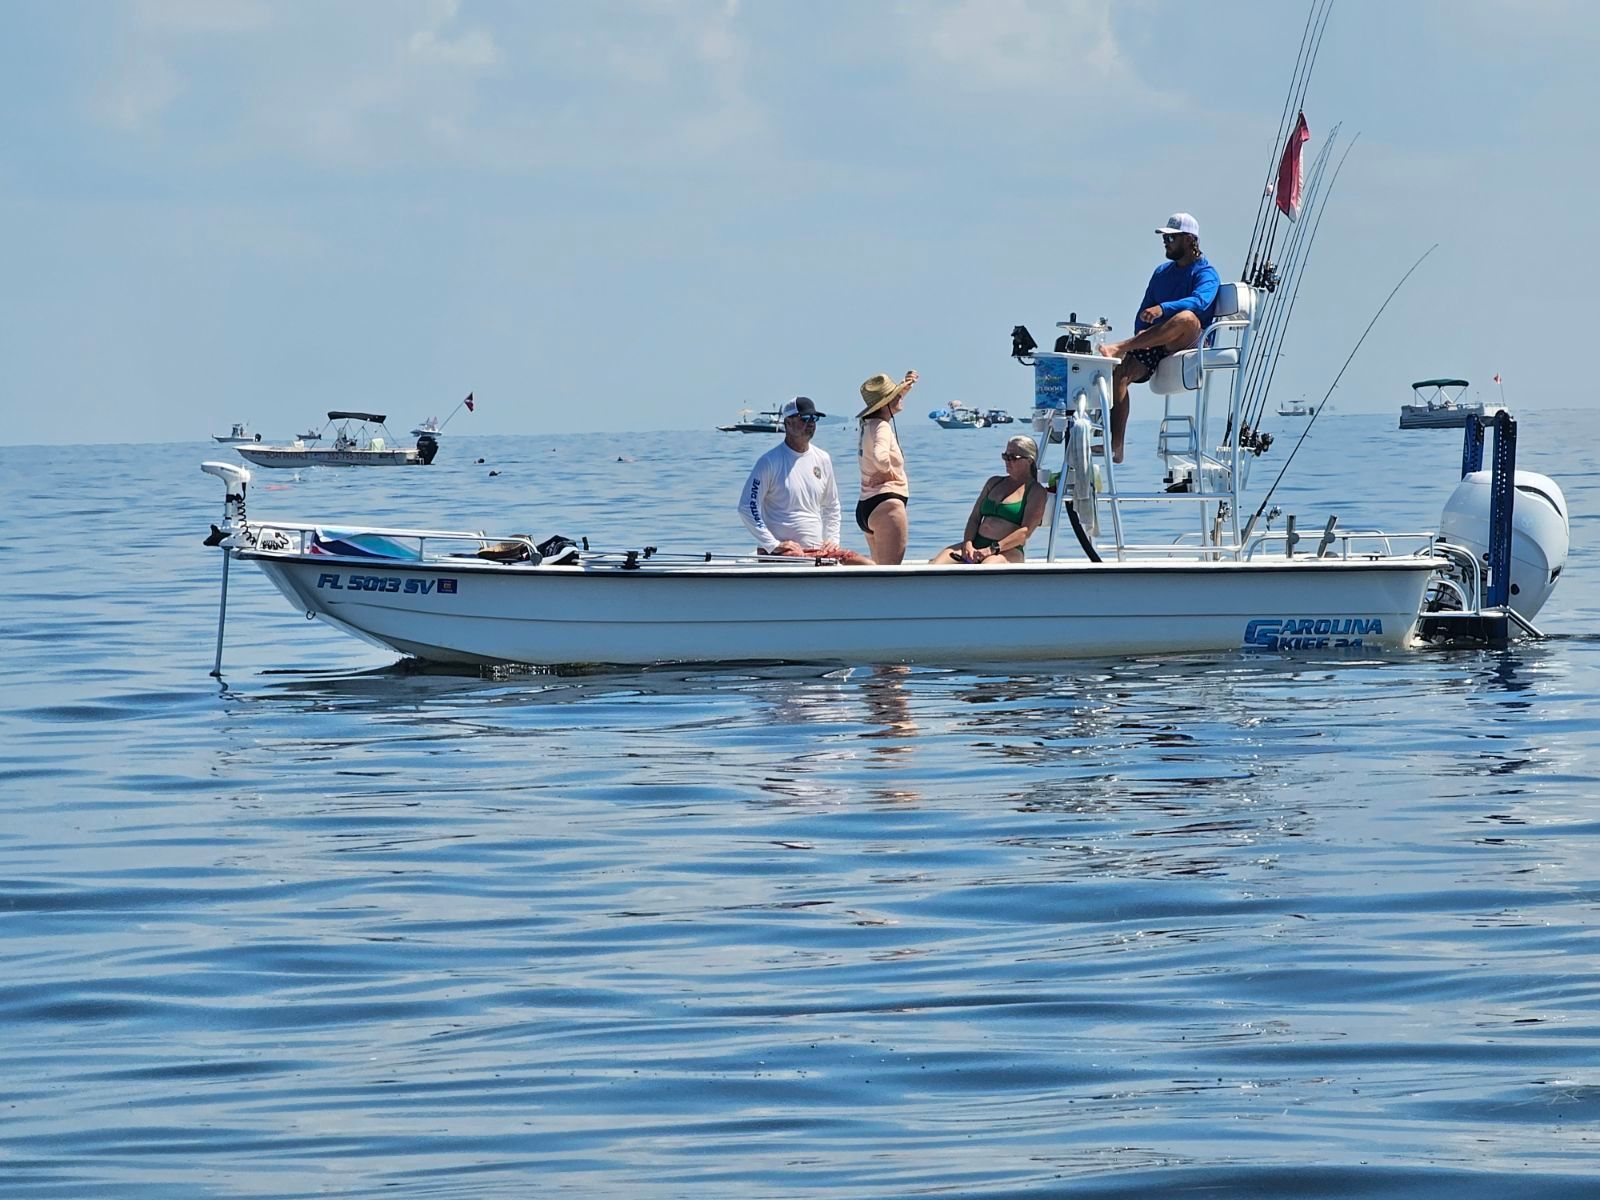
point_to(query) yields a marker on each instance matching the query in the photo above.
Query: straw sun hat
(878, 391)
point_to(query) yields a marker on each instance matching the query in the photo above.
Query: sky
(626, 215)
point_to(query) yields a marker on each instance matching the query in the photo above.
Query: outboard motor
(1540, 532)
(427, 447)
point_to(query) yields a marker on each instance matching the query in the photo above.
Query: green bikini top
(1006, 512)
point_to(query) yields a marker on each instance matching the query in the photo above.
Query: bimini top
(1440, 383)
(355, 416)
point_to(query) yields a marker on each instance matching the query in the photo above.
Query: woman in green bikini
(1009, 509)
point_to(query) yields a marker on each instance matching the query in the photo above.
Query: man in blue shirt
(1177, 307)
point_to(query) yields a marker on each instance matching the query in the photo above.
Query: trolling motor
(235, 482)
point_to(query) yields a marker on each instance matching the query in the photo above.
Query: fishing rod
(1274, 212)
(1250, 527)
(1257, 257)
(1272, 320)
(1281, 303)
(1283, 125)
(1272, 367)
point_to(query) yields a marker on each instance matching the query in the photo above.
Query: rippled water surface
(1231, 926)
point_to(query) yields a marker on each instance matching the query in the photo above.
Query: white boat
(1439, 406)
(310, 437)
(770, 421)
(959, 416)
(1090, 589)
(1296, 408)
(462, 597)
(998, 416)
(360, 440)
(237, 436)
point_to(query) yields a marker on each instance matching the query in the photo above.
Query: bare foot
(1116, 454)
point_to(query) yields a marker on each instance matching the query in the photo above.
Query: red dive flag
(468, 402)
(1289, 173)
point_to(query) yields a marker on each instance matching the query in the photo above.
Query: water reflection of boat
(1439, 406)
(770, 421)
(360, 440)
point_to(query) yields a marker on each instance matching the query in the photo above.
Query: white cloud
(1031, 46)
(137, 94)
(468, 48)
(202, 16)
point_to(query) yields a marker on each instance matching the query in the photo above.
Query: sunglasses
(1169, 238)
(1010, 457)
(807, 420)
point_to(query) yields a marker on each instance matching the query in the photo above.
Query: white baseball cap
(1181, 223)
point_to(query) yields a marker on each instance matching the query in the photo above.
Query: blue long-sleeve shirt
(1182, 289)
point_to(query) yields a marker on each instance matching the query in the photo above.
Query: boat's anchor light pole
(235, 480)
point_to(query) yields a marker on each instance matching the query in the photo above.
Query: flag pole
(470, 406)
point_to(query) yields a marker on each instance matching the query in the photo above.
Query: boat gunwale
(802, 569)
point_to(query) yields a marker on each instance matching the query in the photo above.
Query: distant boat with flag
(1439, 405)
(360, 439)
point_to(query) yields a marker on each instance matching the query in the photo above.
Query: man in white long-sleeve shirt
(790, 502)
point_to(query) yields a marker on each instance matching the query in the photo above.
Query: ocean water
(1223, 926)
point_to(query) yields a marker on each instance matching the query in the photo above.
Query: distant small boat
(361, 440)
(770, 421)
(1439, 406)
(238, 436)
(1296, 408)
(311, 436)
(958, 416)
(998, 416)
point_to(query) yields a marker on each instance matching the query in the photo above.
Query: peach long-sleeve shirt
(883, 466)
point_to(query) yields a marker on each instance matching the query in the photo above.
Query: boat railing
(1471, 591)
(375, 544)
(1350, 543)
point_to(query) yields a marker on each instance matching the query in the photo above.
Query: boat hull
(310, 456)
(484, 613)
(1419, 417)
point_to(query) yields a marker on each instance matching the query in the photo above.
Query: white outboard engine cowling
(1539, 533)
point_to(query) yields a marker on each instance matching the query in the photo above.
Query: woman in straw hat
(1010, 507)
(881, 514)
